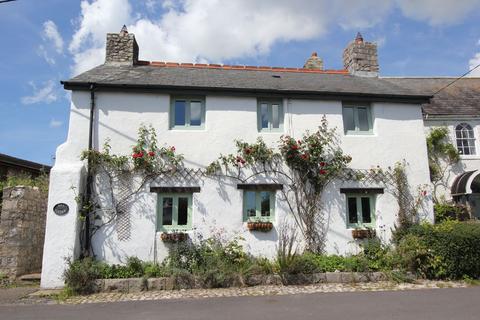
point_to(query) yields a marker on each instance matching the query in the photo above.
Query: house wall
(398, 134)
(467, 162)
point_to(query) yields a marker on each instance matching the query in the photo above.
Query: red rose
(299, 142)
(424, 193)
(294, 147)
(248, 150)
(323, 171)
(140, 154)
(151, 153)
(322, 164)
(172, 148)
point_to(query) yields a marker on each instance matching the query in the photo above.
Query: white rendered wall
(467, 162)
(398, 134)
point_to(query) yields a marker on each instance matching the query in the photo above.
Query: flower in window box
(173, 237)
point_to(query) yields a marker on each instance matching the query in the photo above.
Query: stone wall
(121, 49)
(22, 230)
(360, 58)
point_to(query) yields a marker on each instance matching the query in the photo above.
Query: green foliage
(147, 155)
(80, 275)
(450, 211)
(449, 250)
(441, 155)
(41, 181)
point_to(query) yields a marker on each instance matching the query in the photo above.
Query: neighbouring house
(11, 166)
(201, 109)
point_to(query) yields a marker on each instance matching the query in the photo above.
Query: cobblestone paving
(258, 291)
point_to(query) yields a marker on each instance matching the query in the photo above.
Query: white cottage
(201, 109)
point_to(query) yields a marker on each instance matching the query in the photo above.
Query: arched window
(465, 139)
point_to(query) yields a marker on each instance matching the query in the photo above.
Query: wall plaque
(61, 209)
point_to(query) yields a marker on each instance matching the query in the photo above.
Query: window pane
(275, 116)
(348, 119)
(264, 115)
(182, 211)
(180, 112)
(352, 210)
(250, 203)
(265, 203)
(366, 210)
(167, 211)
(363, 119)
(195, 113)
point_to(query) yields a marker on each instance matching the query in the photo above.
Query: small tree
(442, 154)
(305, 167)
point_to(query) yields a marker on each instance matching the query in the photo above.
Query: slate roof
(250, 79)
(462, 98)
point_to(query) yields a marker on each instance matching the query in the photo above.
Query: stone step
(30, 277)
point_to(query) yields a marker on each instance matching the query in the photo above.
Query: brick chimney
(314, 63)
(122, 49)
(360, 58)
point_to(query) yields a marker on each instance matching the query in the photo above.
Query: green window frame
(270, 115)
(191, 117)
(356, 215)
(357, 119)
(178, 202)
(254, 206)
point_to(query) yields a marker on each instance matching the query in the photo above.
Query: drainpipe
(88, 193)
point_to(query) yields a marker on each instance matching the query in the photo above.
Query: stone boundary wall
(22, 230)
(190, 282)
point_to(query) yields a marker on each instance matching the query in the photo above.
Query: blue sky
(46, 41)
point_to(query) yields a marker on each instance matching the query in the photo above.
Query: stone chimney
(122, 49)
(360, 58)
(314, 63)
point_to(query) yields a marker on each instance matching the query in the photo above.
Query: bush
(450, 211)
(80, 275)
(449, 250)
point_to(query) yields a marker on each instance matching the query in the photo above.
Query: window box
(363, 233)
(173, 237)
(263, 226)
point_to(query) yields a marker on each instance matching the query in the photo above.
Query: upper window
(270, 115)
(360, 211)
(357, 119)
(258, 205)
(174, 211)
(187, 113)
(465, 139)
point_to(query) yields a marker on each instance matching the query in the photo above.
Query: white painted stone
(398, 134)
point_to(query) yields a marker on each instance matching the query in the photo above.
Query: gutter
(326, 95)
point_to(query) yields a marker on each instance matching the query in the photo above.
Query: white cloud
(215, 30)
(42, 52)
(55, 123)
(438, 12)
(45, 94)
(474, 62)
(51, 33)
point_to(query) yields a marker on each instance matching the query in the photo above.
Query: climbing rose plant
(304, 166)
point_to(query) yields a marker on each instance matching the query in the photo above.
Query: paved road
(436, 304)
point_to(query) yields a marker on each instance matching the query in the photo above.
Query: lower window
(360, 211)
(174, 211)
(258, 205)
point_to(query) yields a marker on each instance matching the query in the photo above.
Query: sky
(46, 41)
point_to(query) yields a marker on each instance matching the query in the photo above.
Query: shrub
(449, 250)
(450, 211)
(80, 275)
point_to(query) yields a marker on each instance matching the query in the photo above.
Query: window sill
(470, 157)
